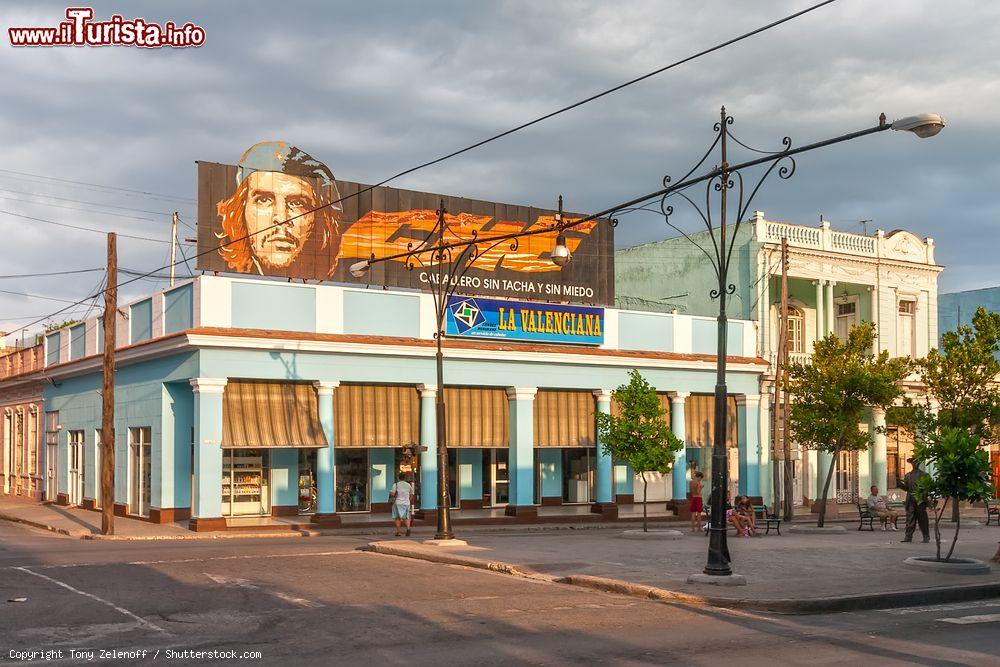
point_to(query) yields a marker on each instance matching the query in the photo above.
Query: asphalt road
(319, 601)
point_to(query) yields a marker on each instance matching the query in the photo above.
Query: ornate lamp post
(721, 179)
(452, 258)
(448, 257)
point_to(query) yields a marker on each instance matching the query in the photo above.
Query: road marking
(141, 622)
(57, 566)
(966, 620)
(941, 607)
(236, 582)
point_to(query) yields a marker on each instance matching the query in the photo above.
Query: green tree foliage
(639, 434)
(834, 393)
(962, 391)
(52, 326)
(961, 473)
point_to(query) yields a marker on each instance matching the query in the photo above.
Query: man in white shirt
(878, 506)
(401, 495)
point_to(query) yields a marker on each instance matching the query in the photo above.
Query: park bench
(768, 519)
(867, 517)
(993, 511)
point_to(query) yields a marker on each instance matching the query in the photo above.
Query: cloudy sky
(375, 87)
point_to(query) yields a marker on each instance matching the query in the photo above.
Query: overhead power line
(458, 152)
(86, 203)
(82, 228)
(20, 175)
(48, 273)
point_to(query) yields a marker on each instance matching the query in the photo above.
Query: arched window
(796, 330)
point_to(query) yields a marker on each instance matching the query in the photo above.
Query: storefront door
(246, 482)
(352, 480)
(75, 467)
(578, 474)
(499, 476)
(51, 465)
(846, 478)
(307, 481)
(140, 470)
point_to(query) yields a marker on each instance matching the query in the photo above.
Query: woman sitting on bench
(737, 520)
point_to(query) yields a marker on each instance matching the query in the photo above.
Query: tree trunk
(645, 502)
(937, 526)
(996, 558)
(955, 509)
(826, 487)
(954, 540)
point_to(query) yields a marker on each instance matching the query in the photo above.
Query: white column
(604, 473)
(206, 510)
(679, 427)
(880, 472)
(765, 482)
(820, 311)
(428, 446)
(522, 450)
(326, 506)
(828, 302)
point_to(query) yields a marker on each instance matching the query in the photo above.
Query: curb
(438, 556)
(38, 524)
(888, 600)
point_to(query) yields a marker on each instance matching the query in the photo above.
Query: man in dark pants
(916, 512)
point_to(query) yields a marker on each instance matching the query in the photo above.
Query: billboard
(477, 317)
(258, 217)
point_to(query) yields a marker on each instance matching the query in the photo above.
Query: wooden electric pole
(173, 246)
(777, 450)
(108, 392)
(786, 445)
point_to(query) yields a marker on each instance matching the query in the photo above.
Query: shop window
(140, 469)
(245, 482)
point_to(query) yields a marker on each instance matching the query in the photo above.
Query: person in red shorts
(697, 504)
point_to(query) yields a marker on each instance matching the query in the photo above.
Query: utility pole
(777, 449)
(173, 246)
(786, 446)
(108, 392)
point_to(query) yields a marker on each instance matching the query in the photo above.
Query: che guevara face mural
(281, 212)
(272, 218)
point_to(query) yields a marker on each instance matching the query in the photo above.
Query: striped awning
(257, 415)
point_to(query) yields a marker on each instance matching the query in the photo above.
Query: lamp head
(923, 125)
(560, 253)
(359, 269)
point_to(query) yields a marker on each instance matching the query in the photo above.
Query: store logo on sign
(467, 315)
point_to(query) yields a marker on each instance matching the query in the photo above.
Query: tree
(961, 380)
(961, 472)
(638, 434)
(52, 326)
(834, 393)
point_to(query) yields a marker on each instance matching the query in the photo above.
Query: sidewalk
(790, 573)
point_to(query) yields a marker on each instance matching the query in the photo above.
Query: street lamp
(721, 179)
(923, 125)
(448, 257)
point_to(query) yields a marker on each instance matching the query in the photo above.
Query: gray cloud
(376, 87)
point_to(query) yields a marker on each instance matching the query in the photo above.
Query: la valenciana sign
(479, 317)
(281, 212)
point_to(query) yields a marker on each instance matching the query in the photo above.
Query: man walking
(916, 512)
(401, 495)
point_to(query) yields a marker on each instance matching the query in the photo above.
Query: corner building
(243, 398)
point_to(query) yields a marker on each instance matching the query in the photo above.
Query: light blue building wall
(957, 308)
(153, 381)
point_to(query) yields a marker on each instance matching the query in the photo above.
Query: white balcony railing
(900, 245)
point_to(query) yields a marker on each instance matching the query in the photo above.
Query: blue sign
(476, 317)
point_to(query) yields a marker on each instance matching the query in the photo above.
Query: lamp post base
(716, 580)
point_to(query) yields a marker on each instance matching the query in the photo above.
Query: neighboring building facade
(23, 424)
(244, 396)
(836, 280)
(956, 309)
